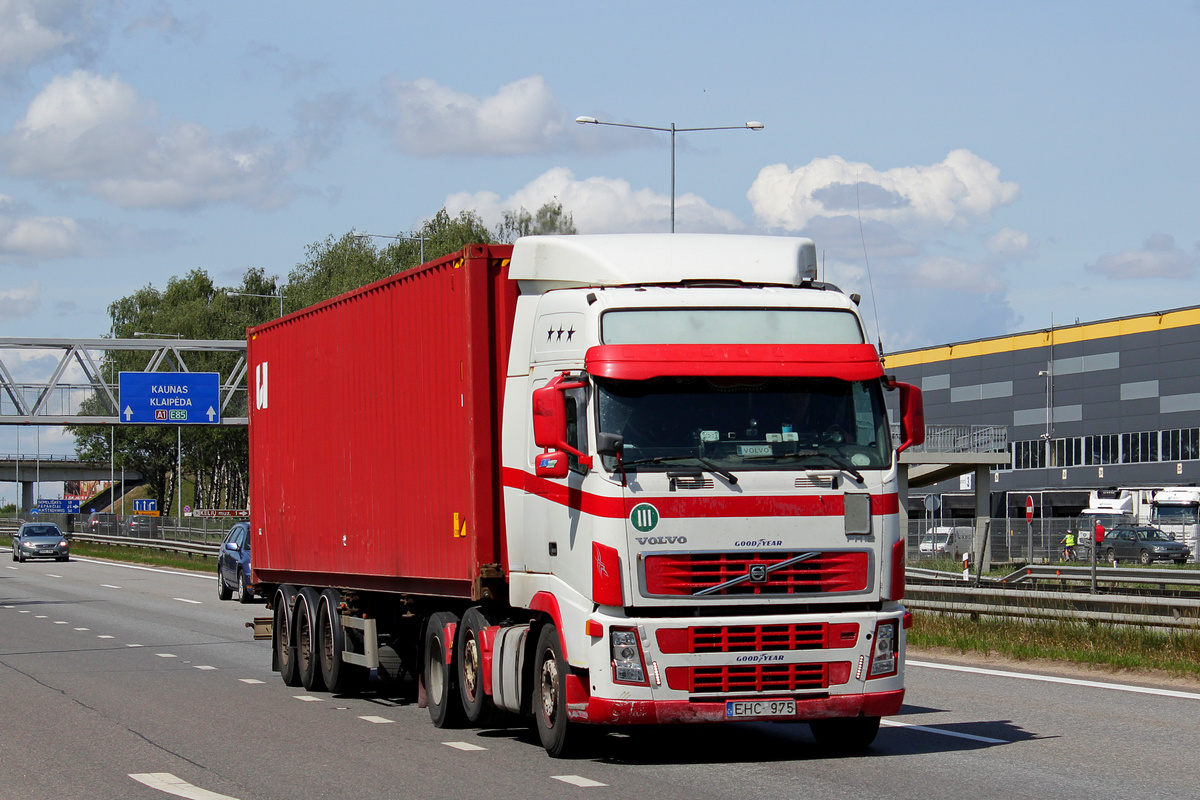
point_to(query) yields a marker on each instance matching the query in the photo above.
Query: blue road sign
(171, 398)
(145, 505)
(55, 506)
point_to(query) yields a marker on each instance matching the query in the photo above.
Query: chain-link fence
(1009, 540)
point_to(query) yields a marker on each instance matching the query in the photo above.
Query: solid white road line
(166, 782)
(576, 780)
(998, 673)
(942, 732)
(147, 569)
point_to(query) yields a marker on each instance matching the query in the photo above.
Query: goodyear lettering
(661, 539)
(759, 543)
(757, 659)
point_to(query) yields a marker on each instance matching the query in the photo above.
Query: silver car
(40, 540)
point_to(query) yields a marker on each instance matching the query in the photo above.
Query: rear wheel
(1112, 556)
(282, 636)
(478, 706)
(245, 593)
(847, 735)
(441, 691)
(223, 591)
(339, 677)
(307, 640)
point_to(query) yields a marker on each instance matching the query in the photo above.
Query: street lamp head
(754, 126)
(587, 120)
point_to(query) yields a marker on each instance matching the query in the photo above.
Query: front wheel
(1145, 558)
(846, 735)
(223, 591)
(560, 737)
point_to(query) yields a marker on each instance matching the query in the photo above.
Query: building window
(1139, 448)
(1101, 449)
(1029, 455)
(1181, 444)
(1066, 452)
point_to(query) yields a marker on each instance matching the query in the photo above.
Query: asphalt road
(135, 683)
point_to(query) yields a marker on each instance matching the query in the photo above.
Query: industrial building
(1113, 404)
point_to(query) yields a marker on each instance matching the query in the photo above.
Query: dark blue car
(233, 564)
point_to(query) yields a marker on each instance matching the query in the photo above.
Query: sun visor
(634, 362)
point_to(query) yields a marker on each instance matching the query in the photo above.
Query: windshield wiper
(729, 476)
(839, 462)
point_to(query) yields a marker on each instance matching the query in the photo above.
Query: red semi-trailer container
(403, 380)
(595, 480)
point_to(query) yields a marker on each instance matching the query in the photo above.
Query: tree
(549, 219)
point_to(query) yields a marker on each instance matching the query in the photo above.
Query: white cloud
(600, 205)
(95, 130)
(1010, 244)
(943, 272)
(953, 194)
(522, 117)
(20, 301)
(26, 36)
(1158, 258)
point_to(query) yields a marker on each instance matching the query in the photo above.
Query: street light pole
(753, 126)
(420, 239)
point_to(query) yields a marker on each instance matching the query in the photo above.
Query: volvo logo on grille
(758, 573)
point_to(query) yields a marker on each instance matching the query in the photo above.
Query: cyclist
(1069, 546)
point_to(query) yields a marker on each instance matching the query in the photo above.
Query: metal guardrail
(194, 548)
(1036, 573)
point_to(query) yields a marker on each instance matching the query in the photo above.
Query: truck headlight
(885, 655)
(629, 666)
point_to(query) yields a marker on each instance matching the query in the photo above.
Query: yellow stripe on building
(1160, 321)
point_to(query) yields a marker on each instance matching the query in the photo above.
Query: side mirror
(551, 465)
(609, 444)
(232, 546)
(912, 416)
(549, 415)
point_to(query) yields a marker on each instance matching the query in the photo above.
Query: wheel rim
(327, 630)
(470, 659)
(549, 689)
(437, 673)
(304, 645)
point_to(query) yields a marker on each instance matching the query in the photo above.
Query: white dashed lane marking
(250, 680)
(576, 780)
(185, 600)
(377, 720)
(166, 782)
(463, 746)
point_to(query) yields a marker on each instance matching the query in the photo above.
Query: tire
(339, 677)
(560, 737)
(20, 558)
(1112, 556)
(441, 690)
(282, 640)
(1145, 558)
(477, 705)
(845, 735)
(223, 591)
(245, 593)
(308, 645)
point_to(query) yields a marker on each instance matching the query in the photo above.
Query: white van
(946, 541)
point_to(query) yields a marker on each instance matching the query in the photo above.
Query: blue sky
(1009, 164)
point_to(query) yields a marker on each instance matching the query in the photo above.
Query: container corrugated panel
(374, 445)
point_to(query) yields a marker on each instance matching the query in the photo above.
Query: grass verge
(145, 555)
(1072, 641)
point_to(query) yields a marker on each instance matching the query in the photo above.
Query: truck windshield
(1174, 515)
(746, 423)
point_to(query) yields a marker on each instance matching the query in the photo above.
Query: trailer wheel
(560, 737)
(307, 658)
(282, 636)
(338, 676)
(845, 735)
(445, 705)
(477, 705)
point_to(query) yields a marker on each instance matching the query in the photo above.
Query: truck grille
(729, 574)
(756, 677)
(757, 638)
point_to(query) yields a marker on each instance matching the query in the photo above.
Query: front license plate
(737, 709)
(45, 552)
